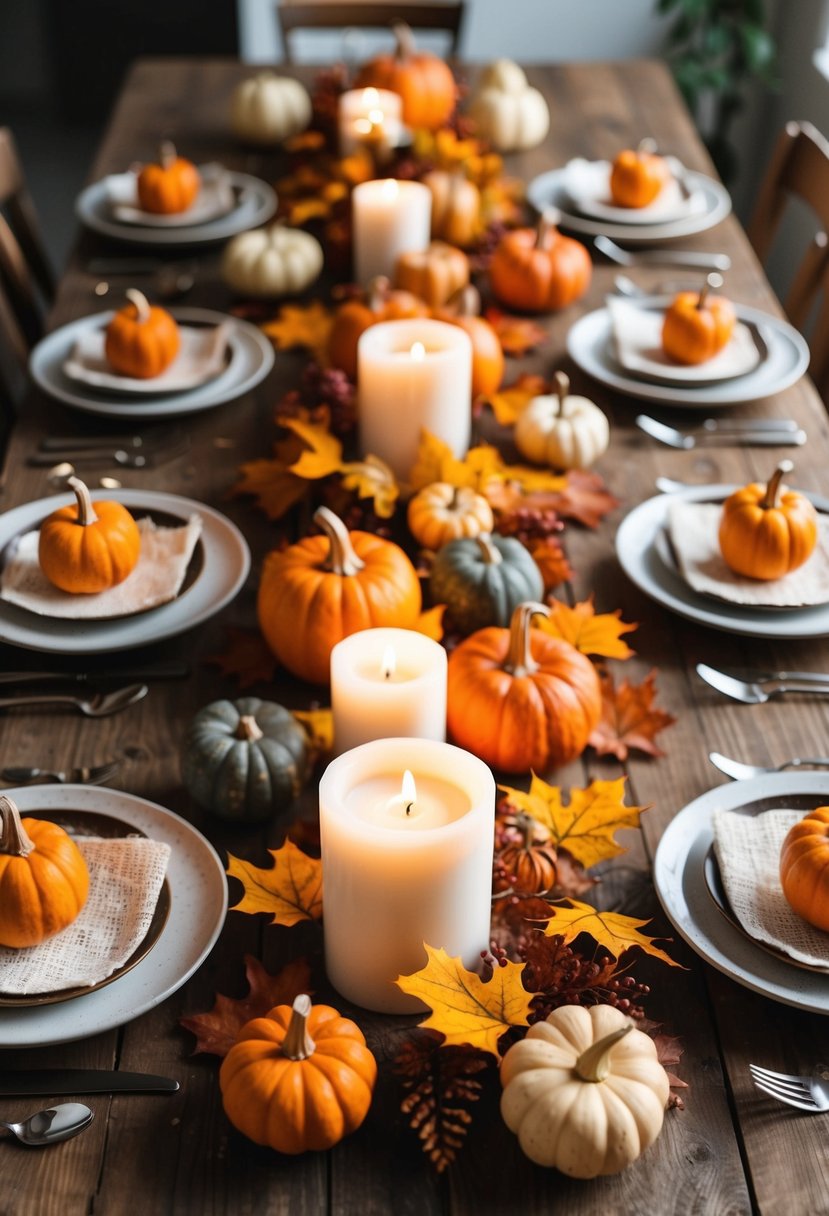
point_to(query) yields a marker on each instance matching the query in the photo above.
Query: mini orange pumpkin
(357, 315)
(434, 274)
(298, 1079)
(171, 185)
(766, 531)
(44, 881)
(141, 340)
(424, 82)
(521, 699)
(463, 309)
(638, 176)
(456, 207)
(804, 868)
(530, 864)
(441, 512)
(698, 325)
(83, 548)
(539, 270)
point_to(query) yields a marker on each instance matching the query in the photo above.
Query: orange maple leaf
(322, 453)
(217, 1031)
(590, 633)
(517, 335)
(273, 485)
(430, 622)
(584, 498)
(508, 402)
(629, 719)
(290, 891)
(244, 656)
(305, 325)
(611, 930)
(548, 554)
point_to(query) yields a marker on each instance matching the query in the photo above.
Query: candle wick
(409, 806)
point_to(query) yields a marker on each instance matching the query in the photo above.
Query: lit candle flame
(388, 663)
(375, 117)
(371, 98)
(408, 791)
(418, 352)
(390, 188)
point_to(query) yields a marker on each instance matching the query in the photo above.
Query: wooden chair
(24, 266)
(800, 167)
(447, 17)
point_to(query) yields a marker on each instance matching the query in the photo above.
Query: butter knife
(48, 1081)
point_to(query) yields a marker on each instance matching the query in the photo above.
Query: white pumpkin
(584, 1091)
(274, 261)
(507, 111)
(560, 430)
(266, 108)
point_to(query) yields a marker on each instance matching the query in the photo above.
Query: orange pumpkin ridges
(141, 339)
(530, 865)
(435, 274)
(804, 868)
(539, 270)
(637, 177)
(697, 325)
(764, 534)
(354, 317)
(171, 185)
(424, 82)
(44, 881)
(463, 309)
(86, 548)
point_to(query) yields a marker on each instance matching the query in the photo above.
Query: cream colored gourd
(266, 108)
(562, 431)
(507, 111)
(274, 261)
(584, 1091)
(442, 512)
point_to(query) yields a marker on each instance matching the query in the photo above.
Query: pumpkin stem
(491, 555)
(341, 557)
(142, 305)
(86, 511)
(14, 840)
(526, 826)
(713, 280)
(166, 153)
(769, 500)
(249, 729)
(466, 301)
(594, 1063)
(647, 146)
(298, 1044)
(550, 218)
(520, 661)
(376, 292)
(405, 40)
(561, 388)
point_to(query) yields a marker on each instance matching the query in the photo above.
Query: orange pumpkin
(530, 864)
(698, 325)
(44, 881)
(171, 185)
(487, 353)
(298, 1079)
(441, 512)
(539, 270)
(521, 699)
(324, 588)
(434, 274)
(637, 176)
(804, 868)
(141, 340)
(766, 531)
(355, 316)
(423, 81)
(456, 207)
(83, 548)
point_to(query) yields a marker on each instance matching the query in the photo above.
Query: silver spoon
(666, 257)
(99, 705)
(48, 1126)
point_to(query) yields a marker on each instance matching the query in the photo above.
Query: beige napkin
(214, 199)
(201, 357)
(638, 335)
(587, 184)
(748, 852)
(157, 577)
(694, 529)
(125, 878)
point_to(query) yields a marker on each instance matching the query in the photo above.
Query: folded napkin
(201, 357)
(125, 877)
(637, 332)
(694, 531)
(587, 185)
(214, 199)
(748, 852)
(157, 577)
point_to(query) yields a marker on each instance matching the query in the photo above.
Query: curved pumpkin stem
(298, 1044)
(166, 153)
(405, 40)
(142, 304)
(377, 292)
(520, 661)
(647, 146)
(561, 389)
(769, 499)
(594, 1063)
(465, 302)
(14, 839)
(550, 219)
(341, 557)
(86, 511)
(249, 729)
(713, 280)
(491, 555)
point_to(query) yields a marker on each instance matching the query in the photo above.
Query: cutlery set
(733, 432)
(60, 454)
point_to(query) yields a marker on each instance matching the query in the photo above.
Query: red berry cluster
(528, 524)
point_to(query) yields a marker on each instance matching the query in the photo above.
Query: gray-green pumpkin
(245, 759)
(482, 579)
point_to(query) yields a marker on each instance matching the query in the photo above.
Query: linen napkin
(694, 528)
(125, 877)
(157, 577)
(748, 852)
(587, 185)
(214, 199)
(637, 333)
(201, 357)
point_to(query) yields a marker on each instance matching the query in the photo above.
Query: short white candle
(413, 375)
(372, 117)
(388, 218)
(387, 682)
(403, 867)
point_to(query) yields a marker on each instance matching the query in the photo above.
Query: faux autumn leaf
(323, 451)
(244, 656)
(464, 1008)
(217, 1031)
(436, 462)
(585, 498)
(289, 892)
(275, 488)
(372, 478)
(548, 554)
(585, 826)
(590, 633)
(629, 719)
(517, 335)
(669, 1049)
(305, 325)
(430, 622)
(610, 930)
(508, 403)
(319, 726)
(439, 1084)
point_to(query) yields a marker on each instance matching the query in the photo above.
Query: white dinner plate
(256, 203)
(226, 566)
(198, 889)
(250, 359)
(679, 878)
(590, 344)
(548, 190)
(638, 546)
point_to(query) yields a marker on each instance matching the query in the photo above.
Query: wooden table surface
(731, 1150)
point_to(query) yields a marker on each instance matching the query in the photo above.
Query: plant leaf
(508, 403)
(588, 632)
(585, 826)
(275, 488)
(245, 656)
(217, 1031)
(548, 554)
(290, 891)
(372, 478)
(517, 335)
(629, 719)
(323, 451)
(439, 1084)
(306, 325)
(430, 622)
(610, 930)
(584, 498)
(319, 727)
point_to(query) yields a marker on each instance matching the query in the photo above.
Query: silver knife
(48, 1081)
(174, 669)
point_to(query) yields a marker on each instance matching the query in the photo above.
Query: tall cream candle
(388, 218)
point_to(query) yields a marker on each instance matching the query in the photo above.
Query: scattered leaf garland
(217, 1030)
(630, 720)
(290, 891)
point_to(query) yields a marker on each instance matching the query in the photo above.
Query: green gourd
(482, 579)
(245, 759)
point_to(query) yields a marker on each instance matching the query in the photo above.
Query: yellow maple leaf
(290, 891)
(465, 1009)
(372, 478)
(616, 933)
(435, 462)
(589, 632)
(305, 325)
(319, 726)
(509, 402)
(532, 480)
(272, 483)
(305, 209)
(430, 622)
(323, 454)
(585, 827)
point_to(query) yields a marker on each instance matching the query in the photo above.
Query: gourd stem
(166, 153)
(713, 280)
(466, 301)
(14, 840)
(491, 555)
(341, 557)
(647, 146)
(298, 1044)
(404, 39)
(594, 1063)
(520, 661)
(376, 293)
(769, 500)
(550, 218)
(249, 729)
(526, 825)
(142, 305)
(561, 388)
(86, 511)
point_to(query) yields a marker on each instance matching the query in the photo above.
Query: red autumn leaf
(517, 335)
(586, 498)
(552, 561)
(244, 656)
(216, 1031)
(669, 1049)
(629, 719)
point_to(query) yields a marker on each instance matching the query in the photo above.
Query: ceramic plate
(226, 563)
(679, 878)
(198, 890)
(637, 548)
(204, 355)
(251, 358)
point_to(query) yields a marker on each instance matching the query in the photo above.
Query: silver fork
(762, 432)
(96, 775)
(744, 772)
(661, 257)
(804, 1093)
(764, 684)
(98, 706)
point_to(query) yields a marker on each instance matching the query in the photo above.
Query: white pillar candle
(370, 117)
(413, 375)
(403, 866)
(387, 682)
(388, 218)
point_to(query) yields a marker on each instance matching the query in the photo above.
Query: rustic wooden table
(731, 1149)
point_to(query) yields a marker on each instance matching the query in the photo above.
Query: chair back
(24, 265)
(447, 17)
